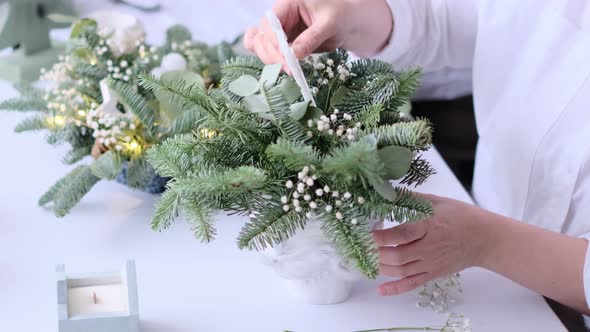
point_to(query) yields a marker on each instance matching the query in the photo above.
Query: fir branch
(240, 66)
(24, 105)
(56, 136)
(181, 93)
(388, 89)
(363, 68)
(415, 135)
(29, 91)
(90, 72)
(166, 211)
(410, 208)
(272, 226)
(174, 157)
(185, 122)
(108, 166)
(235, 123)
(76, 154)
(200, 219)
(353, 242)
(370, 116)
(49, 196)
(357, 161)
(33, 123)
(295, 155)
(419, 172)
(90, 91)
(73, 190)
(409, 82)
(136, 102)
(221, 181)
(293, 130)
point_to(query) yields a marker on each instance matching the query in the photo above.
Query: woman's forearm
(546, 262)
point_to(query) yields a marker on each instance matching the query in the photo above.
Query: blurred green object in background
(25, 27)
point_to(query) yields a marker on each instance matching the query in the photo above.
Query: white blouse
(531, 85)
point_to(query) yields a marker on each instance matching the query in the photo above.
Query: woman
(532, 101)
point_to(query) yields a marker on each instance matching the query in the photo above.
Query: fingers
(429, 197)
(286, 11)
(311, 39)
(401, 234)
(398, 256)
(265, 51)
(402, 271)
(249, 37)
(404, 285)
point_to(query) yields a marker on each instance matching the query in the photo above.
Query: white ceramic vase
(311, 267)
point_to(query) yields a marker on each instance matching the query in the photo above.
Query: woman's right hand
(360, 26)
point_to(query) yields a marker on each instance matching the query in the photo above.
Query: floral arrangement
(260, 150)
(93, 102)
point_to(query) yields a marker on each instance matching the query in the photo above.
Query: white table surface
(184, 285)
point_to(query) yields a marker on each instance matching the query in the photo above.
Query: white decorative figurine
(98, 302)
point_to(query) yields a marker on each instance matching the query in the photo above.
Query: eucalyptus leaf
(169, 110)
(338, 96)
(80, 26)
(83, 53)
(270, 74)
(245, 86)
(385, 189)
(290, 89)
(299, 110)
(189, 77)
(266, 116)
(313, 113)
(256, 104)
(397, 161)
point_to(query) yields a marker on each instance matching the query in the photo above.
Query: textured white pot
(311, 267)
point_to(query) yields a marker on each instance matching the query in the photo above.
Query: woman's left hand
(448, 242)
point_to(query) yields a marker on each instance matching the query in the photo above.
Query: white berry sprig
(337, 124)
(307, 195)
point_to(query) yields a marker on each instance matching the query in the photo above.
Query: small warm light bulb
(59, 120)
(82, 113)
(133, 145)
(208, 133)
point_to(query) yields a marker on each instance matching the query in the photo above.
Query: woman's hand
(361, 26)
(450, 241)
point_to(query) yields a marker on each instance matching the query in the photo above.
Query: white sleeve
(587, 272)
(432, 34)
